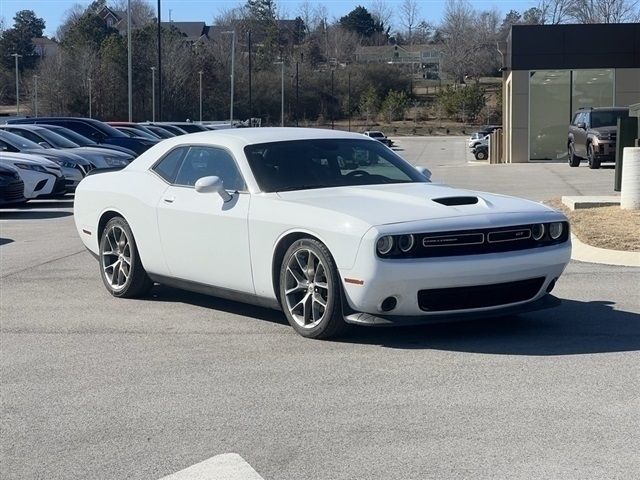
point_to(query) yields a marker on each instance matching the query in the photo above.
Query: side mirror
(424, 171)
(212, 184)
(582, 125)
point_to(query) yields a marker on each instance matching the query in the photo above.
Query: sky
(53, 11)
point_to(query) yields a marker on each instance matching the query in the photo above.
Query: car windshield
(307, 164)
(56, 140)
(71, 135)
(376, 134)
(19, 142)
(607, 118)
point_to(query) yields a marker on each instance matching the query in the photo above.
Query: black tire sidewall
(593, 161)
(136, 267)
(574, 161)
(331, 323)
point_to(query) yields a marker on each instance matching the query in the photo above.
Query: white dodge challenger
(331, 227)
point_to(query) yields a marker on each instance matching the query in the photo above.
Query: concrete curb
(586, 253)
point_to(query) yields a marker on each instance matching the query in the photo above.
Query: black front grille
(13, 192)
(478, 241)
(59, 186)
(462, 298)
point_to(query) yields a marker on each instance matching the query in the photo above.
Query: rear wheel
(594, 163)
(310, 290)
(120, 267)
(481, 155)
(574, 160)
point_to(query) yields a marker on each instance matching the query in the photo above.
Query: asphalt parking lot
(97, 387)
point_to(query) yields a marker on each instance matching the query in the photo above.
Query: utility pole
(297, 94)
(349, 97)
(233, 66)
(331, 103)
(129, 62)
(90, 99)
(282, 96)
(250, 99)
(35, 80)
(17, 56)
(153, 94)
(200, 75)
(159, 63)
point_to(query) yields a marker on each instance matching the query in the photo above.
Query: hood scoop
(456, 201)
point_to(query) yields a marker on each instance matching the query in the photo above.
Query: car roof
(238, 138)
(251, 136)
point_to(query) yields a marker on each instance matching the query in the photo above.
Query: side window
(207, 162)
(167, 168)
(83, 129)
(4, 147)
(28, 135)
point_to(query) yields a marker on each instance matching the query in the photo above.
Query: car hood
(61, 155)
(101, 151)
(605, 129)
(401, 203)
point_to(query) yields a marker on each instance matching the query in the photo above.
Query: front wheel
(574, 160)
(594, 163)
(120, 266)
(481, 155)
(310, 290)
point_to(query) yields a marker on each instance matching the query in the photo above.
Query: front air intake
(456, 201)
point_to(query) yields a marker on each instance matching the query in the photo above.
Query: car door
(205, 239)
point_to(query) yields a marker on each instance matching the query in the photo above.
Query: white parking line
(228, 466)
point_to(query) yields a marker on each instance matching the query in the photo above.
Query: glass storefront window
(592, 88)
(554, 96)
(549, 107)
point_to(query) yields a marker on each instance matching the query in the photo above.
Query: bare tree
(409, 17)
(604, 11)
(554, 12)
(381, 12)
(142, 12)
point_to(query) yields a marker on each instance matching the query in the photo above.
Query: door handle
(168, 199)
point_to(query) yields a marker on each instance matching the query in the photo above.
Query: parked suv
(592, 135)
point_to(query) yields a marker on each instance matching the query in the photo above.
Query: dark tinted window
(26, 134)
(167, 168)
(303, 164)
(71, 135)
(209, 162)
(191, 128)
(608, 118)
(83, 129)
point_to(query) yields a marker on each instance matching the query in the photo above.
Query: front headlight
(29, 166)
(384, 244)
(116, 162)
(555, 230)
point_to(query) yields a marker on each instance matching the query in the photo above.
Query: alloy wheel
(306, 288)
(116, 257)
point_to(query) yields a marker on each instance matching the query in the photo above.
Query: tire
(305, 285)
(481, 155)
(594, 163)
(123, 278)
(574, 160)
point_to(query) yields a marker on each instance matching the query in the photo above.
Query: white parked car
(476, 140)
(41, 177)
(331, 227)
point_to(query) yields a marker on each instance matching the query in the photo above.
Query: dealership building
(550, 71)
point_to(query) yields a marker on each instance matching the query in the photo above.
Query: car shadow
(32, 214)
(164, 293)
(572, 328)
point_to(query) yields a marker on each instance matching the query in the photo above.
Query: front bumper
(404, 279)
(12, 193)
(605, 150)
(544, 302)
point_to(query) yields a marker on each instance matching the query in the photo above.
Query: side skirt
(220, 292)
